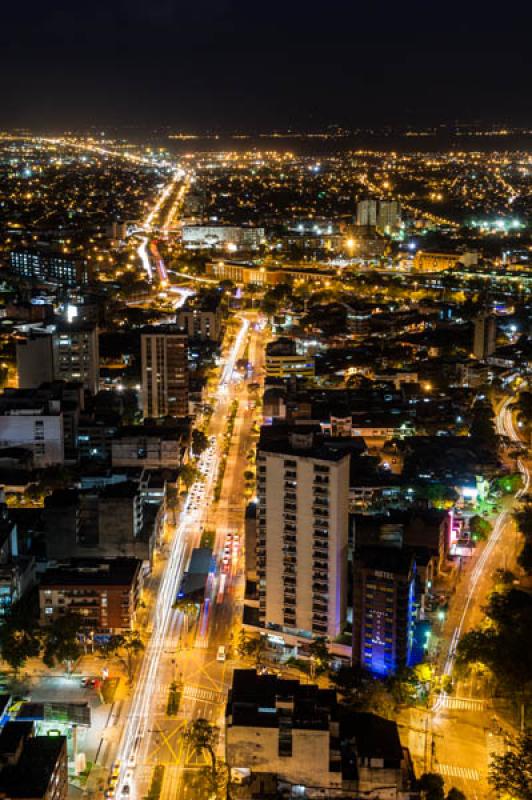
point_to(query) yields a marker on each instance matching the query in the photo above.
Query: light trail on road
(142, 252)
(229, 367)
(178, 175)
(505, 426)
(191, 519)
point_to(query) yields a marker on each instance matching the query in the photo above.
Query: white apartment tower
(302, 533)
(367, 212)
(389, 216)
(164, 356)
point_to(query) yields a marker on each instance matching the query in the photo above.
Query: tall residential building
(367, 212)
(164, 354)
(389, 216)
(302, 487)
(484, 335)
(383, 608)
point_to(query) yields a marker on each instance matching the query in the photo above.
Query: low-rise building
(425, 261)
(32, 767)
(202, 320)
(220, 237)
(103, 592)
(286, 728)
(283, 360)
(297, 739)
(33, 423)
(49, 267)
(152, 447)
(106, 521)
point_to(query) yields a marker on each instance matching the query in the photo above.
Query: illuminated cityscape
(265, 406)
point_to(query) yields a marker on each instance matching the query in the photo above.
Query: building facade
(76, 354)
(57, 268)
(283, 360)
(164, 354)
(201, 323)
(285, 728)
(104, 593)
(383, 608)
(302, 489)
(484, 336)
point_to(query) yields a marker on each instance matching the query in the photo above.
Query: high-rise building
(76, 354)
(367, 212)
(302, 486)
(484, 335)
(164, 354)
(383, 608)
(389, 216)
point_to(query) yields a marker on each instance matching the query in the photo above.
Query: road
(149, 736)
(457, 736)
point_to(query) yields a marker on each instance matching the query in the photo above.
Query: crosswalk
(452, 771)
(206, 695)
(463, 703)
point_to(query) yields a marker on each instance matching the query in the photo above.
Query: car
(220, 655)
(85, 683)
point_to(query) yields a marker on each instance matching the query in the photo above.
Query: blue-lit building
(384, 608)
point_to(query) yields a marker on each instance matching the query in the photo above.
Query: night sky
(249, 65)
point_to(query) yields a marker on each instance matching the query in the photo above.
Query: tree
(362, 691)
(61, 641)
(252, 647)
(479, 527)
(483, 425)
(524, 523)
(202, 736)
(126, 647)
(455, 794)
(403, 686)
(200, 442)
(189, 474)
(431, 786)
(511, 773)
(19, 637)
(319, 656)
(504, 645)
